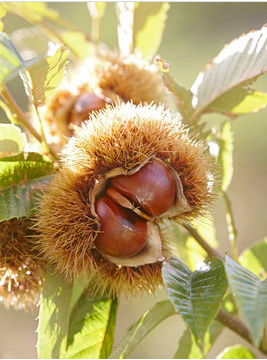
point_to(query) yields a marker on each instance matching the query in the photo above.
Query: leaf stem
(95, 28)
(231, 226)
(210, 251)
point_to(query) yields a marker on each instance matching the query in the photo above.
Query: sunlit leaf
(12, 140)
(250, 295)
(42, 78)
(236, 352)
(142, 327)
(96, 9)
(239, 101)
(195, 295)
(91, 329)
(57, 301)
(225, 158)
(72, 325)
(255, 259)
(239, 63)
(148, 26)
(188, 348)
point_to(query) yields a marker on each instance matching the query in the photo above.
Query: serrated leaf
(254, 259)
(251, 297)
(225, 157)
(195, 295)
(142, 327)
(239, 101)
(42, 78)
(10, 61)
(72, 325)
(20, 200)
(188, 348)
(91, 329)
(12, 140)
(239, 63)
(148, 26)
(236, 352)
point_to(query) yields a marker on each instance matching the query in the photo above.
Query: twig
(211, 252)
(237, 326)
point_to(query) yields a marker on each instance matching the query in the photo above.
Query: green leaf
(148, 26)
(57, 301)
(183, 95)
(12, 140)
(255, 259)
(225, 158)
(251, 297)
(20, 200)
(142, 327)
(22, 178)
(71, 325)
(91, 329)
(238, 64)
(195, 295)
(42, 78)
(239, 101)
(236, 352)
(10, 61)
(188, 348)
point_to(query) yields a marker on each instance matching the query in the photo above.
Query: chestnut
(122, 233)
(84, 105)
(152, 188)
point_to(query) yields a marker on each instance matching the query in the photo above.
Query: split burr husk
(120, 140)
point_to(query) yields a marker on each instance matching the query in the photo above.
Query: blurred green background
(194, 34)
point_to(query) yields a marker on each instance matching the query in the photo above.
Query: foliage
(72, 323)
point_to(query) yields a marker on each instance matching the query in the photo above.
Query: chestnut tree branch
(210, 251)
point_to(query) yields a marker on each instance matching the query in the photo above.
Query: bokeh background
(194, 34)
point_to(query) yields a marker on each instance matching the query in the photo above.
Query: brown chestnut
(152, 188)
(84, 105)
(123, 233)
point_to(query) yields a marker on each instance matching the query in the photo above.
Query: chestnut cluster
(129, 202)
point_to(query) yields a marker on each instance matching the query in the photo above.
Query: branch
(211, 252)
(237, 326)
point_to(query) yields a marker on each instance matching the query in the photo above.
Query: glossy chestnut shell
(152, 188)
(83, 106)
(122, 233)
